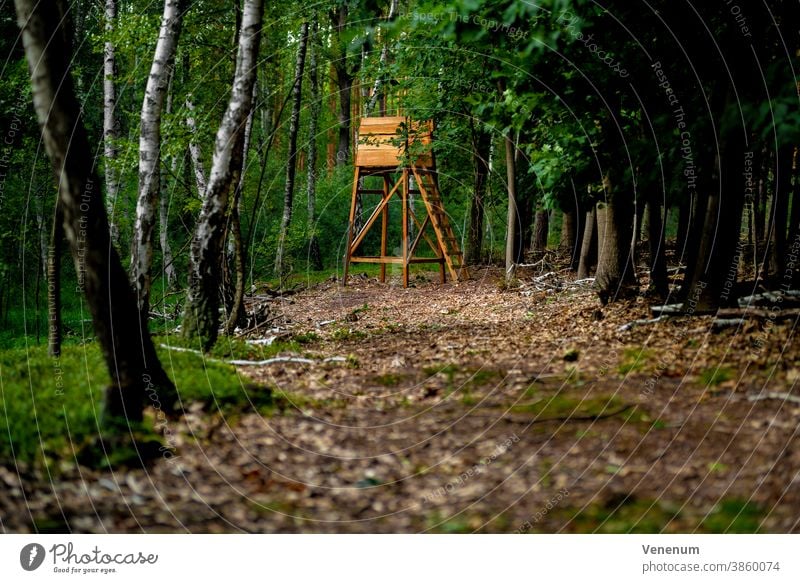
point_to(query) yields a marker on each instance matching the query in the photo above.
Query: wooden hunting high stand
(387, 148)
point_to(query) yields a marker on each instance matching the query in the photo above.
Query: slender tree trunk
(110, 121)
(793, 278)
(378, 85)
(481, 154)
(588, 255)
(541, 230)
(615, 278)
(54, 328)
(201, 317)
(150, 151)
(195, 152)
(131, 358)
(236, 313)
(163, 211)
(291, 164)
(345, 82)
(780, 212)
(511, 222)
(314, 253)
(568, 231)
(655, 239)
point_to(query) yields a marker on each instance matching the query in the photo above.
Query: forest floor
(469, 407)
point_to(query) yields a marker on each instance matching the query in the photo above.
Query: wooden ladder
(429, 190)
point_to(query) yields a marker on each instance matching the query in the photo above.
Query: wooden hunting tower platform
(398, 151)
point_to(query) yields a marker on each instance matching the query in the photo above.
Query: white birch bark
(202, 307)
(110, 121)
(195, 153)
(150, 150)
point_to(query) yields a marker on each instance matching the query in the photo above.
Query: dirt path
(462, 408)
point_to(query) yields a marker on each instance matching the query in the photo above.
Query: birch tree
(150, 150)
(131, 358)
(201, 318)
(110, 120)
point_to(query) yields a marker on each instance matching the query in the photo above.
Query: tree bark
(481, 154)
(201, 319)
(131, 358)
(236, 313)
(511, 222)
(568, 231)
(588, 255)
(110, 121)
(615, 278)
(150, 151)
(541, 230)
(314, 254)
(780, 213)
(378, 85)
(291, 164)
(195, 152)
(163, 211)
(655, 236)
(344, 80)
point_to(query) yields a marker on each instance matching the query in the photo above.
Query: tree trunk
(344, 81)
(378, 85)
(541, 230)
(130, 357)
(201, 317)
(511, 222)
(163, 211)
(481, 154)
(588, 256)
(291, 164)
(720, 248)
(568, 231)
(655, 239)
(236, 313)
(150, 151)
(314, 254)
(110, 121)
(780, 212)
(793, 278)
(195, 153)
(615, 278)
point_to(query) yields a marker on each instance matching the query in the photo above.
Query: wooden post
(405, 227)
(384, 227)
(351, 227)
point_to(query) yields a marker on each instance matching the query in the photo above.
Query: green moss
(733, 516)
(51, 409)
(714, 376)
(634, 359)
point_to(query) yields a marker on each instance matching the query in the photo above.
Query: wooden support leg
(384, 228)
(405, 227)
(348, 252)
